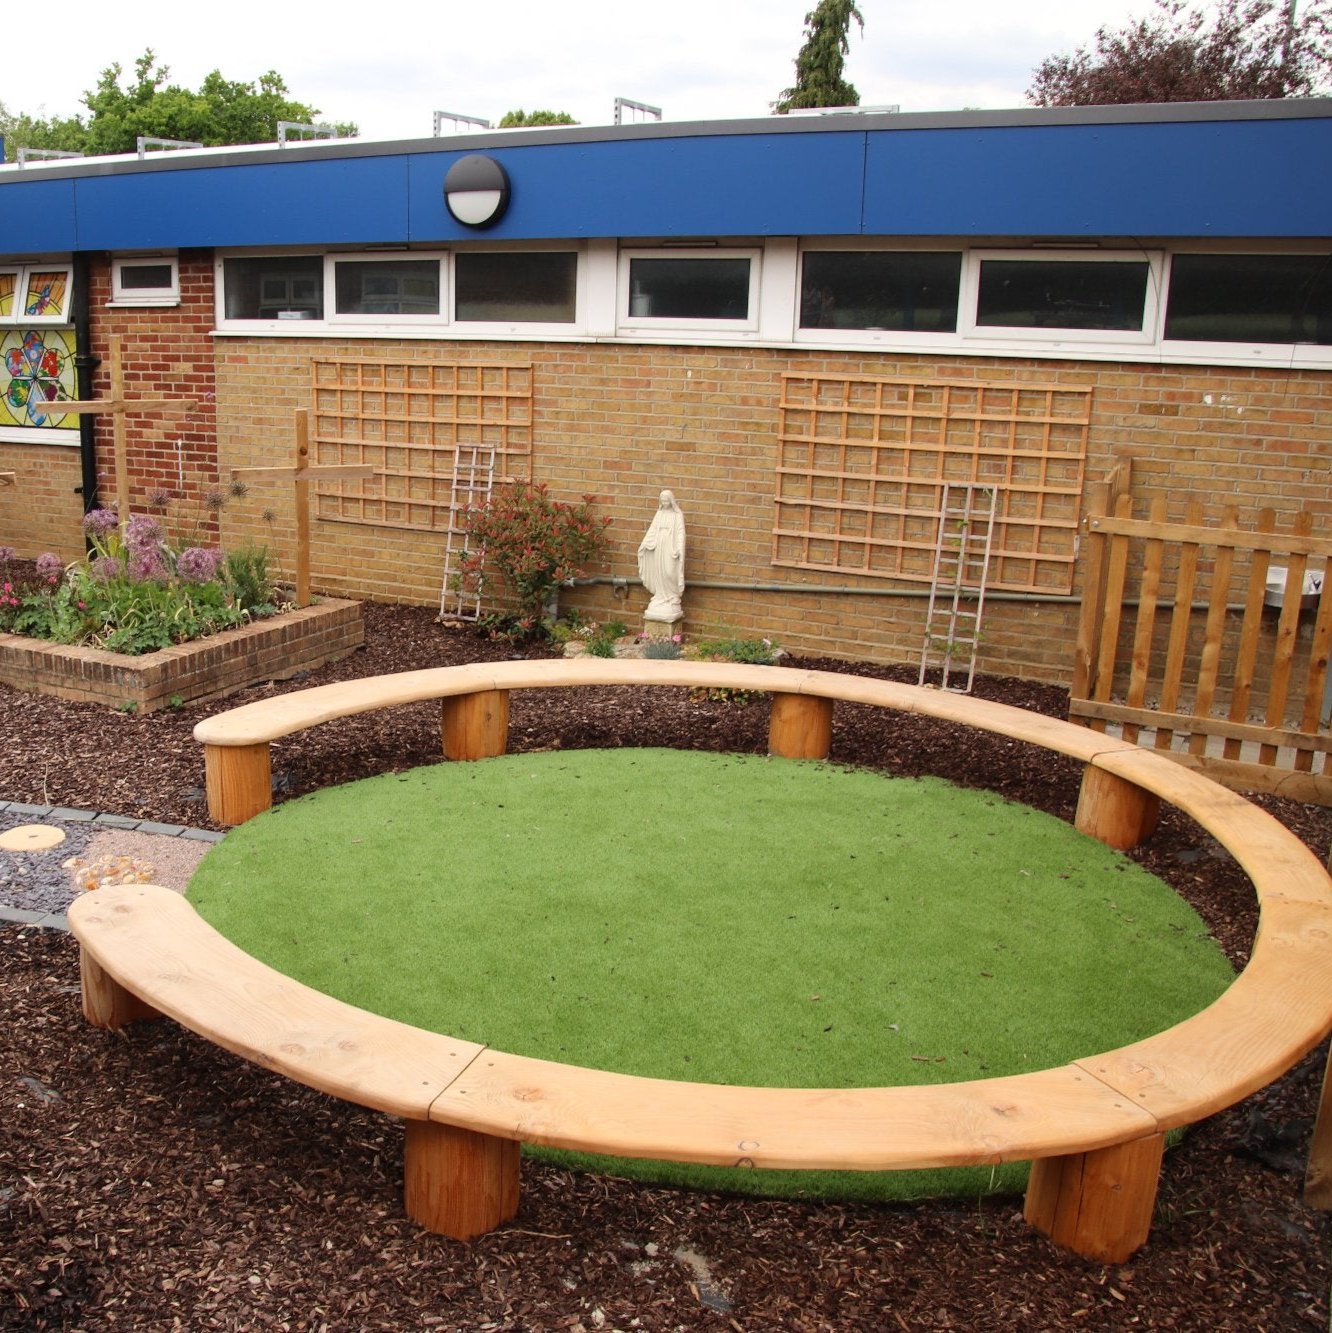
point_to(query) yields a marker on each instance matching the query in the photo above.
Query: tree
(512, 120)
(1245, 48)
(222, 111)
(821, 60)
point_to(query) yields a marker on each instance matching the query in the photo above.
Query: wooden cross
(301, 475)
(117, 406)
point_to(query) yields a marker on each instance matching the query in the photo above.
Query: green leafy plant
(530, 544)
(752, 652)
(135, 591)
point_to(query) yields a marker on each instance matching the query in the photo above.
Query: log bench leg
(800, 726)
(475, 726)
(1318, 1178)
(239, 781)
(457, 1182)
(1098, 1204)
(1114, 811)
(106, 1003)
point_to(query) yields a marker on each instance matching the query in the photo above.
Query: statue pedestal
(662, 629)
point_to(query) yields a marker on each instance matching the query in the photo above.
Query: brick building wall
(167, 352)
(623, 421)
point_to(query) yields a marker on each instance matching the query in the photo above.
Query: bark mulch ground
(149, 1180)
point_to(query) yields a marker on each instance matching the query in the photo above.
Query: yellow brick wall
(623, 421)
(42, 510)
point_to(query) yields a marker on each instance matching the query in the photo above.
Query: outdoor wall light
(476, 191)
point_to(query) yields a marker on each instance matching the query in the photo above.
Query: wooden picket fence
(1180, 645)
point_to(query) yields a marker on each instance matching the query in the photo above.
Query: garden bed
(275, 648)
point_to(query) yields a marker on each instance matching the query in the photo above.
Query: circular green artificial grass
(718, 918)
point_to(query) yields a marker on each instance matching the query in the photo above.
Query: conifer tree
(821, 60)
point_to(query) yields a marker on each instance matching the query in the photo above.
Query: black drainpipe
(85, 363)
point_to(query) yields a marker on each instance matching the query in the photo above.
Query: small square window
(145, 282)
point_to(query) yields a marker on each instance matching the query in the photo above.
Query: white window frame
(647, 324)
(1146, 334)
(17, 319)
(262, 325)
(481, 328)
(1199, 352)
(332, 316)
(861, 337)
(144, 296)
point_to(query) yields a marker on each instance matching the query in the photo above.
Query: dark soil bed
(148, 1180)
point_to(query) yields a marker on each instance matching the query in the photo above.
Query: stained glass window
(36, 375)
(46, 293)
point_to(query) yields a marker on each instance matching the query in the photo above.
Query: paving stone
(202, 835)
(72, 816)
(17, 915)
(168, 830)
(18, 808)
(117, 821)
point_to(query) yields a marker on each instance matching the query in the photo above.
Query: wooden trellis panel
(1179, 646)
(862, 464)
(408, 419)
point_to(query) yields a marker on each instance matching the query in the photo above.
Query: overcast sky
(390, 66)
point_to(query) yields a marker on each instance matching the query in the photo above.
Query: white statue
(661, 561)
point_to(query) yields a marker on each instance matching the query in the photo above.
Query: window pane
(285, 287)
(146, 277)
(1062, 294)
(524, 288)
(1251, 298)
(387, 287)
(47, 292)
(689, 288)
(854, 289)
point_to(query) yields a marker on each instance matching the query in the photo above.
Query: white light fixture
(476, 191)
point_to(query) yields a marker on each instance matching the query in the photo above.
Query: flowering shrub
(134, 592)
(532, 544)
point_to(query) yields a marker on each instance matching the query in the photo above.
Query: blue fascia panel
(1251, 178)
(37, 216)
(331, 202)
(736, 185)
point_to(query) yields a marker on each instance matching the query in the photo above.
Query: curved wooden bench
(1093, 1129)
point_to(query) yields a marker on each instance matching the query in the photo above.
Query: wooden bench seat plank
(155, 945)
(1279, 865)
(1048, 1112)
(1273, 1014)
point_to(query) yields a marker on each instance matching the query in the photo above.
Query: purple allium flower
(238, 489)
(7, 553)
(195, 564)
(107, 567)
(214, 498)
(160, 498)
(99, 522)
(145, 565)
(50, 566)
(143, 534)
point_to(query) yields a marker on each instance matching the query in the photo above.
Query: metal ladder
(473, 481)
(961, 569)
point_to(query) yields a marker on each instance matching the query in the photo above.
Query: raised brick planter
(272, 649)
